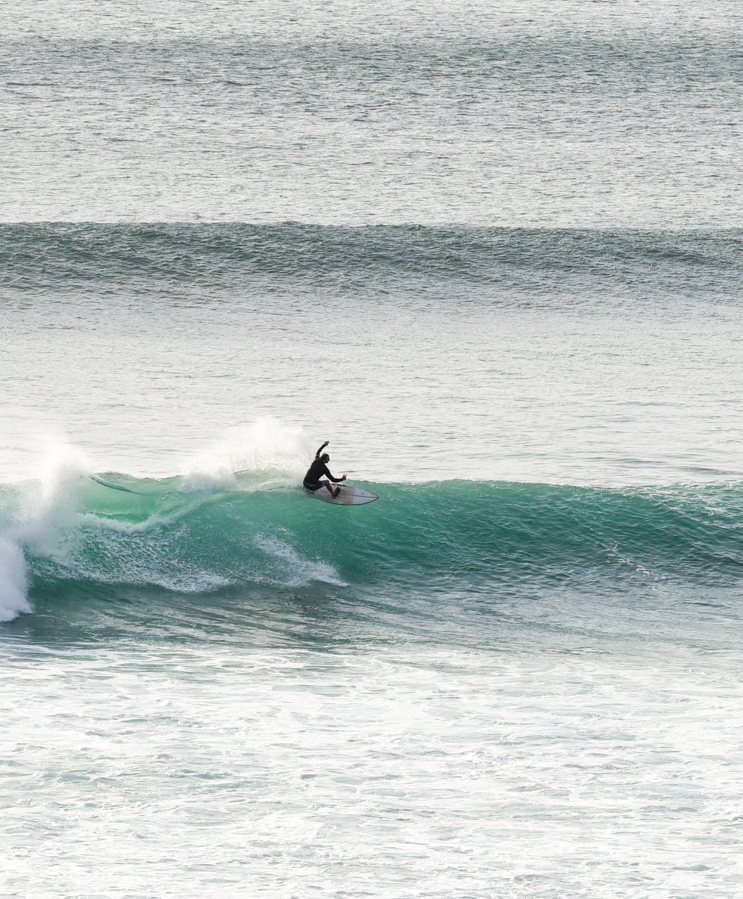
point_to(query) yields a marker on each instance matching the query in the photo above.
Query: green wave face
(456, 534)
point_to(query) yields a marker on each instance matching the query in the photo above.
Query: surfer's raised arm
(317, 454)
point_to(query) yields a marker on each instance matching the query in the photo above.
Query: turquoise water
(236, 687)
(491, 253)
(468, 535)
(518, 673)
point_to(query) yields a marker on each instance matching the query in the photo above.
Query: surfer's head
(325, 458)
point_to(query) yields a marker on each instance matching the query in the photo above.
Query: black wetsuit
(317, 470)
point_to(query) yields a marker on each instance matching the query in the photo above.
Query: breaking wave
(261, 528)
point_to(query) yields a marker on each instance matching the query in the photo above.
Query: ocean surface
(494, 254)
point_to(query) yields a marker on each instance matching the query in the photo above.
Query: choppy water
(494, 255)
(571, 113)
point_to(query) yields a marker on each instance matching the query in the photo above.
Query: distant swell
(207, 257)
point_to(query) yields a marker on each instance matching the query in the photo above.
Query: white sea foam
(13, 581)
(51, 504)
(47, 508)
(292, 570)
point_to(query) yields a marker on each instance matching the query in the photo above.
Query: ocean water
(494, 254)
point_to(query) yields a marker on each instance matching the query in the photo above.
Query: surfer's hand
(326, 443)
(344, 477)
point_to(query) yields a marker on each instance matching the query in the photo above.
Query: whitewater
(469, 683)
(494, 255)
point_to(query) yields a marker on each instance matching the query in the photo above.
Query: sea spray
(39, 517)
(265, 446)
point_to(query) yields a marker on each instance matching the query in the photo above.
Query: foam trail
(297, 571)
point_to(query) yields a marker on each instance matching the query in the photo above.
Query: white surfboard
(349, 496)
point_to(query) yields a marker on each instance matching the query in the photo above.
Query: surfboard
(349, 496)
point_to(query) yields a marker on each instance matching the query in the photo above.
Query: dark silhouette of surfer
(319, 469)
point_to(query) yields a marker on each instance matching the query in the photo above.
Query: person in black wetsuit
(319, 469)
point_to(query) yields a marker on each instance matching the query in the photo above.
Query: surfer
(319, 469)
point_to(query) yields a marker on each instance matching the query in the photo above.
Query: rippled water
(578, 114)
(493, 254)
(581, 357)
